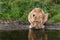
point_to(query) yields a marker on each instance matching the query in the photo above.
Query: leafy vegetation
(19, 9)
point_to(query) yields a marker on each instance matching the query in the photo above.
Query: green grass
(19, 9)
(56, 18)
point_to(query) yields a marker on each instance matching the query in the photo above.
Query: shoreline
(19, 26)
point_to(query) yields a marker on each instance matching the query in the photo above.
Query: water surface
(23, 35)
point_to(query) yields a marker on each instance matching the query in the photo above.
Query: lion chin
(37, 27)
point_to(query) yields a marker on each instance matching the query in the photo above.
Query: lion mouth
(37, 21)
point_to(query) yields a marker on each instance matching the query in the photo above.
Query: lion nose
(35, 18)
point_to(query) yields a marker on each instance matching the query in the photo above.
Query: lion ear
(45, 17)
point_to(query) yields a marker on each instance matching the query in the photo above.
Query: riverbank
(17, 25)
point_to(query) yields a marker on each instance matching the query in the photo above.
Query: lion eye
(33, 15)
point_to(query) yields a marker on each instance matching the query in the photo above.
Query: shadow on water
(23, 35)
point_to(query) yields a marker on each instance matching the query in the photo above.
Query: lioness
(37, 18)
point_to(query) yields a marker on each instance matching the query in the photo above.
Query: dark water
(23, 35)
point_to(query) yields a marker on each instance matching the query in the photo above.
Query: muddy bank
(16, 25)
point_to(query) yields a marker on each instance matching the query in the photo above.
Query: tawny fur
(37, 17)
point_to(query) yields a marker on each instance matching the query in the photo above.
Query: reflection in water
(23, 34)
(37, 34)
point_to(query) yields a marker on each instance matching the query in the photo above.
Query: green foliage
(55, 18)
(24, 17)
(19, 9)
(54, 11)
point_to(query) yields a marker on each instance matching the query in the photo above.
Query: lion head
(37, 16)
